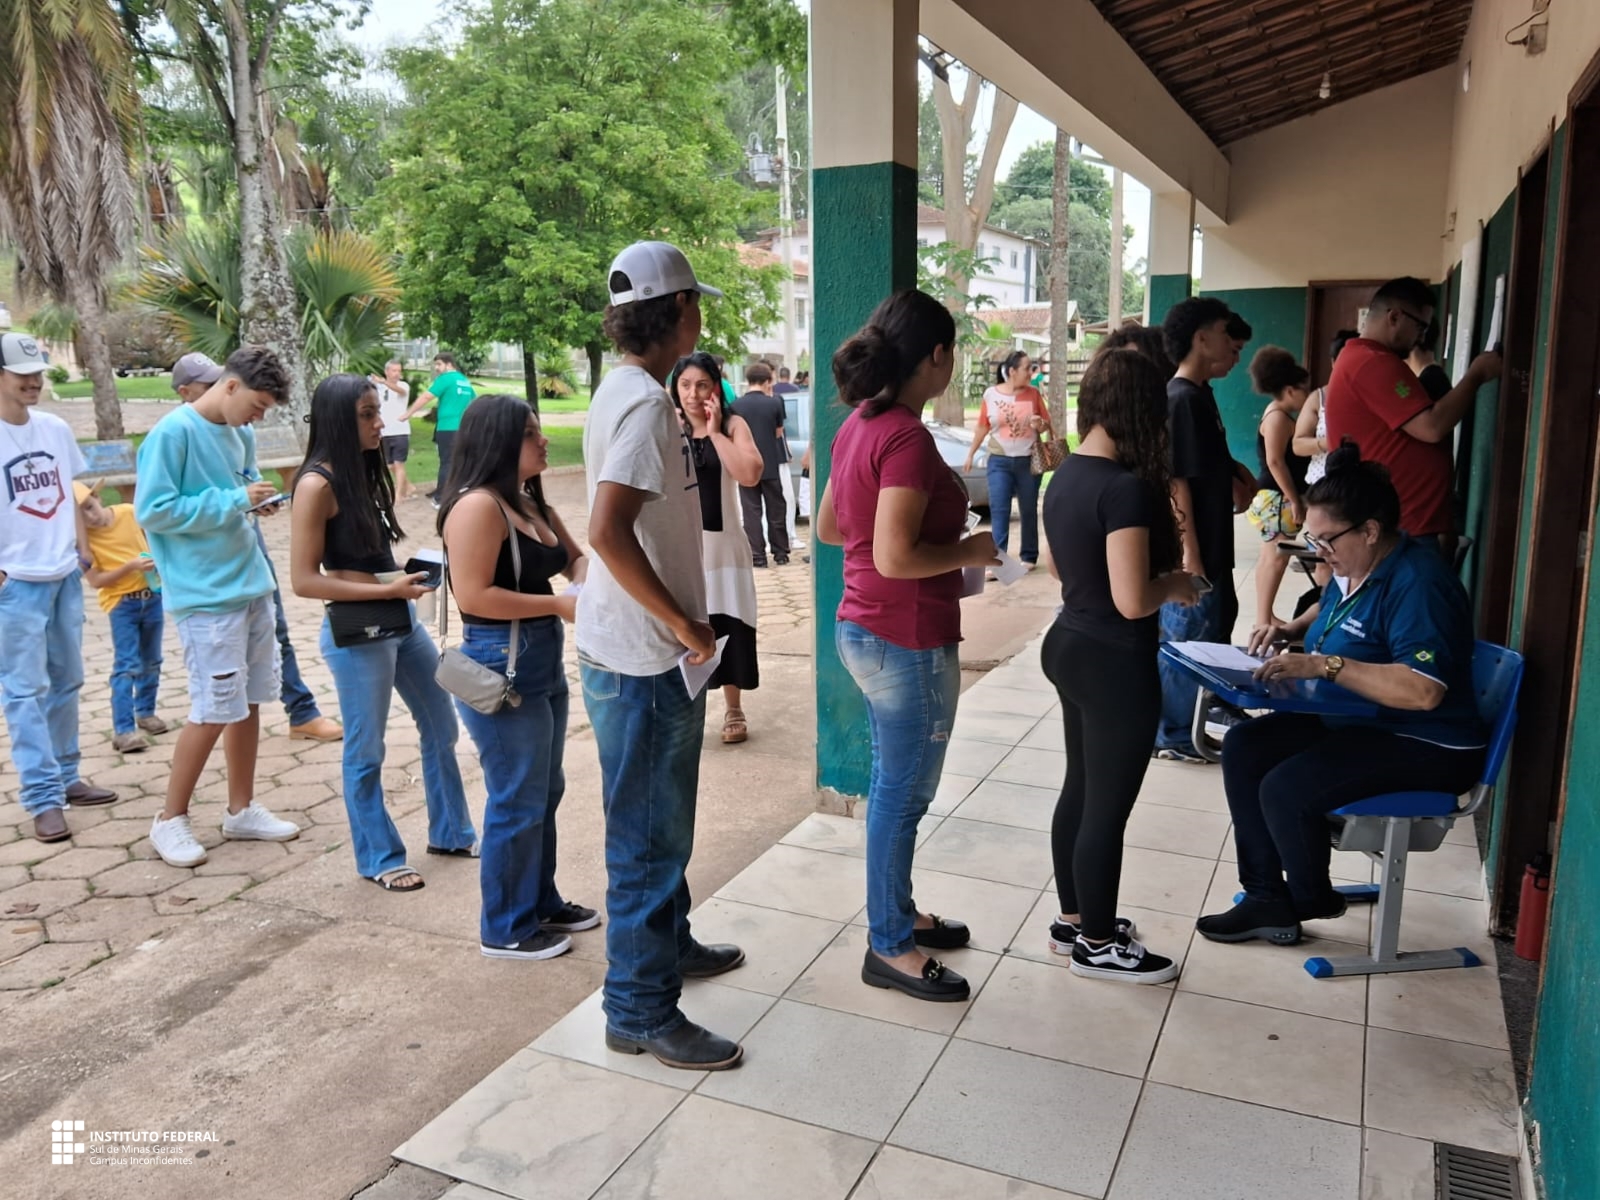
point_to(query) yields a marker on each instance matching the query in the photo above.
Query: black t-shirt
(764, 415)
(1200, 455)
(1088, 499)
(1435, 382)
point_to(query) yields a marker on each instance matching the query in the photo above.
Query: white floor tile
(953, 789)
(1017, 804)
(964, 756)
(1176, 830)
(1184, 785)
(1441, 1091)
(901, 1175)
(996, 1109)
(1451, 870)
(1003, 729)
(1022, 702)
(1045, 769)
(1266, 1056)
(844, 835)
(1461, 1005)
(980, 850)
(581, 1034)
(1040, 1009)
(834, 981)
(1046, 735)
(811, 882)
(1174, 883)
(499, 1134)
(1397, 1168)
(777, 945)
(716, 1151)
(1198, 1147)
(1429, 921)
(1274, 977)
(829, 1068)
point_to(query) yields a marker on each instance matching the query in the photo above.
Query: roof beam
(1061, 59)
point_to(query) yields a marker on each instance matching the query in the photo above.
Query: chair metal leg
(1385, 953)
(1197, 729)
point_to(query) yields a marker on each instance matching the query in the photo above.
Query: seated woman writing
(1393, 626)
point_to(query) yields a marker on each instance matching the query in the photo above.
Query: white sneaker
(175, 842)
(257, 824)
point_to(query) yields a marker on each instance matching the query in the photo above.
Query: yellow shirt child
(118, 548)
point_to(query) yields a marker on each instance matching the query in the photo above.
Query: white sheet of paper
(695, 678)
(1009, 570)
(1212, 654)
(1497, 318)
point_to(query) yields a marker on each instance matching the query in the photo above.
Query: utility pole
(1114, 308)
(786, 223)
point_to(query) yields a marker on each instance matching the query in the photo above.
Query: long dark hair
(360, 480)
(485, 455)
(708, 364)
(1124, 394)
(878, 361)
(1358, 489)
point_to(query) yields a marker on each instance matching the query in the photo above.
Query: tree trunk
(1114, 308)
(268, 310)
(530, 376)
(1060, 264)
(95, 354)
(596, 365)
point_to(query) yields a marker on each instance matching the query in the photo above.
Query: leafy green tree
(552, 136)
(68, 122)
(1032, 176)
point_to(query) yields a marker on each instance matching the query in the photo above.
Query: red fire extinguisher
(1535, 908)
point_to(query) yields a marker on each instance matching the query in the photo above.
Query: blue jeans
(521, 750)
(41, 673)
(297, 699)
(911, 705)
(1008, 478)
(366, 678)
(1211, 620)
(136, 626)
(648, 732)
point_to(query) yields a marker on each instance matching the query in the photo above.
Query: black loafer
(945, 935)
(1251, 919)
(704, 961)
(937, 981)
(689, 1046)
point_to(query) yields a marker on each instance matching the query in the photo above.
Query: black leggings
(1110, 706)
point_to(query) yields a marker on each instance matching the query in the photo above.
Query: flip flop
(388, 879)
(472, 851)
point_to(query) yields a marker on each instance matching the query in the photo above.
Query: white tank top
(1319, 460)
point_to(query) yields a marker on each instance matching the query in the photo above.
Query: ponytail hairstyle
(874, 365)
(1357, 489)
(1008, 364)
(1274, 370)
(1124, 393)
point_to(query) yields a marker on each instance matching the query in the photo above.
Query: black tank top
(539, 564)
(1268, 482)
(342, 548)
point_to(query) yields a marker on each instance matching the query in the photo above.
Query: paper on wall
(1496, 320)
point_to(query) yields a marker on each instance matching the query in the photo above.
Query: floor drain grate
(1473, 1175)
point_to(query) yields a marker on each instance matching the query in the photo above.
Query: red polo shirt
(1372, 394)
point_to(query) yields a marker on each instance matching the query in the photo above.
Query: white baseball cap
(646, 270)
(21, 355)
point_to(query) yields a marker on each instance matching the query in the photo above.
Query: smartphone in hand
(1202, 585)
(269, 502)
(431, 567)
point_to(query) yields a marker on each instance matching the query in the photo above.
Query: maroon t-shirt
(895, 450)
(1372, 394)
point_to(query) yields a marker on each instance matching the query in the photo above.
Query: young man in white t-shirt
(42, 548)
(394, 398)
(643, 608)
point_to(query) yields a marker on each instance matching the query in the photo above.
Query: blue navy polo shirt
(1410, 610)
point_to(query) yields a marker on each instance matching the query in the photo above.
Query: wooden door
(1331, 307)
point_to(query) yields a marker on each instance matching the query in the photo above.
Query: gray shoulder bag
(474, 684)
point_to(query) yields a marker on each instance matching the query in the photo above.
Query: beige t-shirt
(633, 437)
(1011, 419)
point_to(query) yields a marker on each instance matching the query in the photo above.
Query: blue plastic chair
(1388, 828)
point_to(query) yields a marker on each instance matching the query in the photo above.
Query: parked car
(952, 443)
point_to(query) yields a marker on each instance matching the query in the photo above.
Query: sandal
(734, 728)
(389, 881)
(471, 851)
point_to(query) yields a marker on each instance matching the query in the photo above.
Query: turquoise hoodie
(191, 500)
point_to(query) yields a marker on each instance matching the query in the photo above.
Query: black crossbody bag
(362, 622)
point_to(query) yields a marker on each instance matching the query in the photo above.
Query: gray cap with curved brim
(651, 269)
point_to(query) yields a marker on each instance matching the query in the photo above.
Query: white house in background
(1010, 281)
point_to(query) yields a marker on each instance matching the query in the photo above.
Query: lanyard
(1340, 612)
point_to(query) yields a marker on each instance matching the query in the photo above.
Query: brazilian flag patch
(1402, 389)
(1424, 656)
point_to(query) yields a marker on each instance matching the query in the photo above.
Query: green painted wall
(1277, 317)
(1165, 291)
(863, 247)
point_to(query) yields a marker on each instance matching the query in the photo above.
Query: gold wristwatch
(1331, 666)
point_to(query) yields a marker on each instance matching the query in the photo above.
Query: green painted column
(1164, 292)
(863, 247)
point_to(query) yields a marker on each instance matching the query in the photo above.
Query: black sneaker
(544, 944)
(1064, 934)
(571, 918)
(1270, 920)
(1177, 754)
(760, 562)
(1330, 908)
(1122, 959)
(781, 559)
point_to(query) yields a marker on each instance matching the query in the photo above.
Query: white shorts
(232, 660)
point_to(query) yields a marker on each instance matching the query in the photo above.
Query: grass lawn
(150, 387)
(566, 450)
(578, 402)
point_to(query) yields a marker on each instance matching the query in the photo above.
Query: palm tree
(345, 294)
(68, 122)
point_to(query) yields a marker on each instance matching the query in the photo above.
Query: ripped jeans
(911, 703)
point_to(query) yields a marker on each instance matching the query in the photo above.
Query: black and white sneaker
(1123, 959)
(1220, 718)
(544, 944)
(570, 918)
(1064, 934)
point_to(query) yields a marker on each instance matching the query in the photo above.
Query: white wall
(1009, 285)
(1506, 115)
(1355, 191)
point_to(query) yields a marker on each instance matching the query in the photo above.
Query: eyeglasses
(1320, 544)
(1421, 324)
